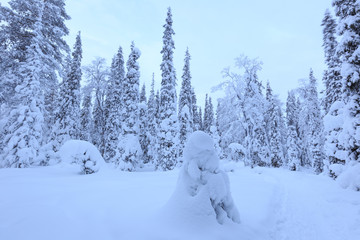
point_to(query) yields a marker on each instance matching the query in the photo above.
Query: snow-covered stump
(82, 153)
(202, 188)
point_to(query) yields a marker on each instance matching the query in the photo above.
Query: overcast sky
(286, 35)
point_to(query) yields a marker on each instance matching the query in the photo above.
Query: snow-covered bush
(237, 152)
(202, 187)
(82, 153)
(348, 175)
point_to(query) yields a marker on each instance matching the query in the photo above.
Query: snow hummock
(203, 190)
(82, 153)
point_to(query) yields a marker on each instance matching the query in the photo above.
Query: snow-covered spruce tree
(185, 105)
(216, 138)
(316, 127)
(311, 127)
(152, 124)
(143, 126)
(113, 108)
(97, 76)
(333, 93)
(86, 121)
(25, 124)
(129, 146)
(168, 129)
(157, 108)
(332, 78)
(293, 140)
(274, 129)
(68, 112)
(201, 126)
(54, 17)
(195, 111)
(348, 12)
(208, 114)
(205, 123)
(16, 34)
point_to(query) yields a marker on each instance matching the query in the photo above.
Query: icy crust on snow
(203, 189)
(82, 153)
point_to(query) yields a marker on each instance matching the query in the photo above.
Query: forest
(54, 111)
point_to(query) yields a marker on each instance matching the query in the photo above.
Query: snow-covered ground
(59, 203)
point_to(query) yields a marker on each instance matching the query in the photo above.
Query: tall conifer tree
(185, 104)
(168, 118)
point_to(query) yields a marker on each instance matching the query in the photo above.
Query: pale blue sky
(285, 34)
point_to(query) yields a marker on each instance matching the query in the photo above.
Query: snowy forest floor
(58, 203)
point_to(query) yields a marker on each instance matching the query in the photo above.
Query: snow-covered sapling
(82, 153)
(203, 183)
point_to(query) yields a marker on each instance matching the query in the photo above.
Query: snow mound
(82, 153)
(349, 176)
(203, 189)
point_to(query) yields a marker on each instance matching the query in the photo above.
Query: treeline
(43, 103)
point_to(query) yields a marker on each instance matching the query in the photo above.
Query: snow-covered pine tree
(185, 105)
(152, 124)
(68, 112)
(274, 129)
(293, 140)
(113, 107)
(348, 12)
(143, 126)
(25, 124)
(130, 149)
(168, 117)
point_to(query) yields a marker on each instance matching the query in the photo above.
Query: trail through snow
(58, 203)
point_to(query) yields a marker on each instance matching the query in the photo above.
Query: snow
(82, 153)
(58, 203)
